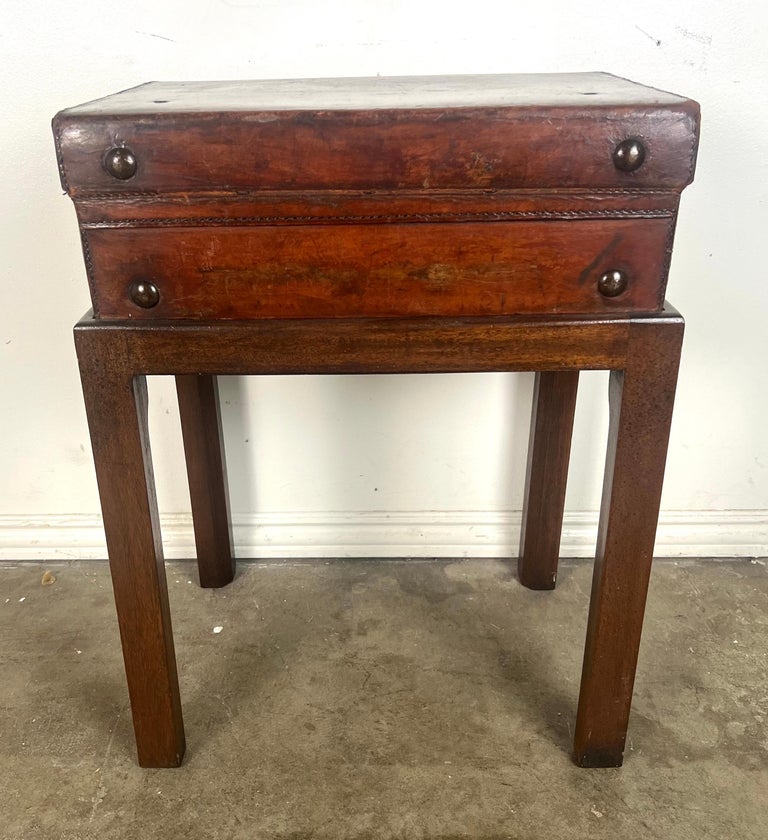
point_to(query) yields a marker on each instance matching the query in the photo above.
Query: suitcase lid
(542, 131)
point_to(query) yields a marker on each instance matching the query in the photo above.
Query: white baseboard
(729, 533)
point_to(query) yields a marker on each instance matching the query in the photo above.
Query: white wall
(435, 463)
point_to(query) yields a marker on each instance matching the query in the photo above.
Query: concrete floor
(384, 699)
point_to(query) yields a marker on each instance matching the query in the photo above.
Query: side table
(419, 225)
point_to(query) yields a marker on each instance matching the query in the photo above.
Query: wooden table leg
(641, 400)
(116, 404)
(549, 449)
(206, 470)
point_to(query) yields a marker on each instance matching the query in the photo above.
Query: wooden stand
(641, 351)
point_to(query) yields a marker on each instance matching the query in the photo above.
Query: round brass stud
(629, 155)
(144, 294)
(612, 283)
(121, 163)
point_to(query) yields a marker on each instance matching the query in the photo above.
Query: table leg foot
(595, 758)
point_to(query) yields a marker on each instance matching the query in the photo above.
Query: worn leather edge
(694, 113)
(59, 154)
(668, 248)
(90, 269)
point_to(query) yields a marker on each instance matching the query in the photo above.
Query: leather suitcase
(382, 197)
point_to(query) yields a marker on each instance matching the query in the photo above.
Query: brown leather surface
(477, 195)
(336, 271)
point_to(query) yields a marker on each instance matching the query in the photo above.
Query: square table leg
(641, 401)
(549, 449)
(206, 469)
(116, 405)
